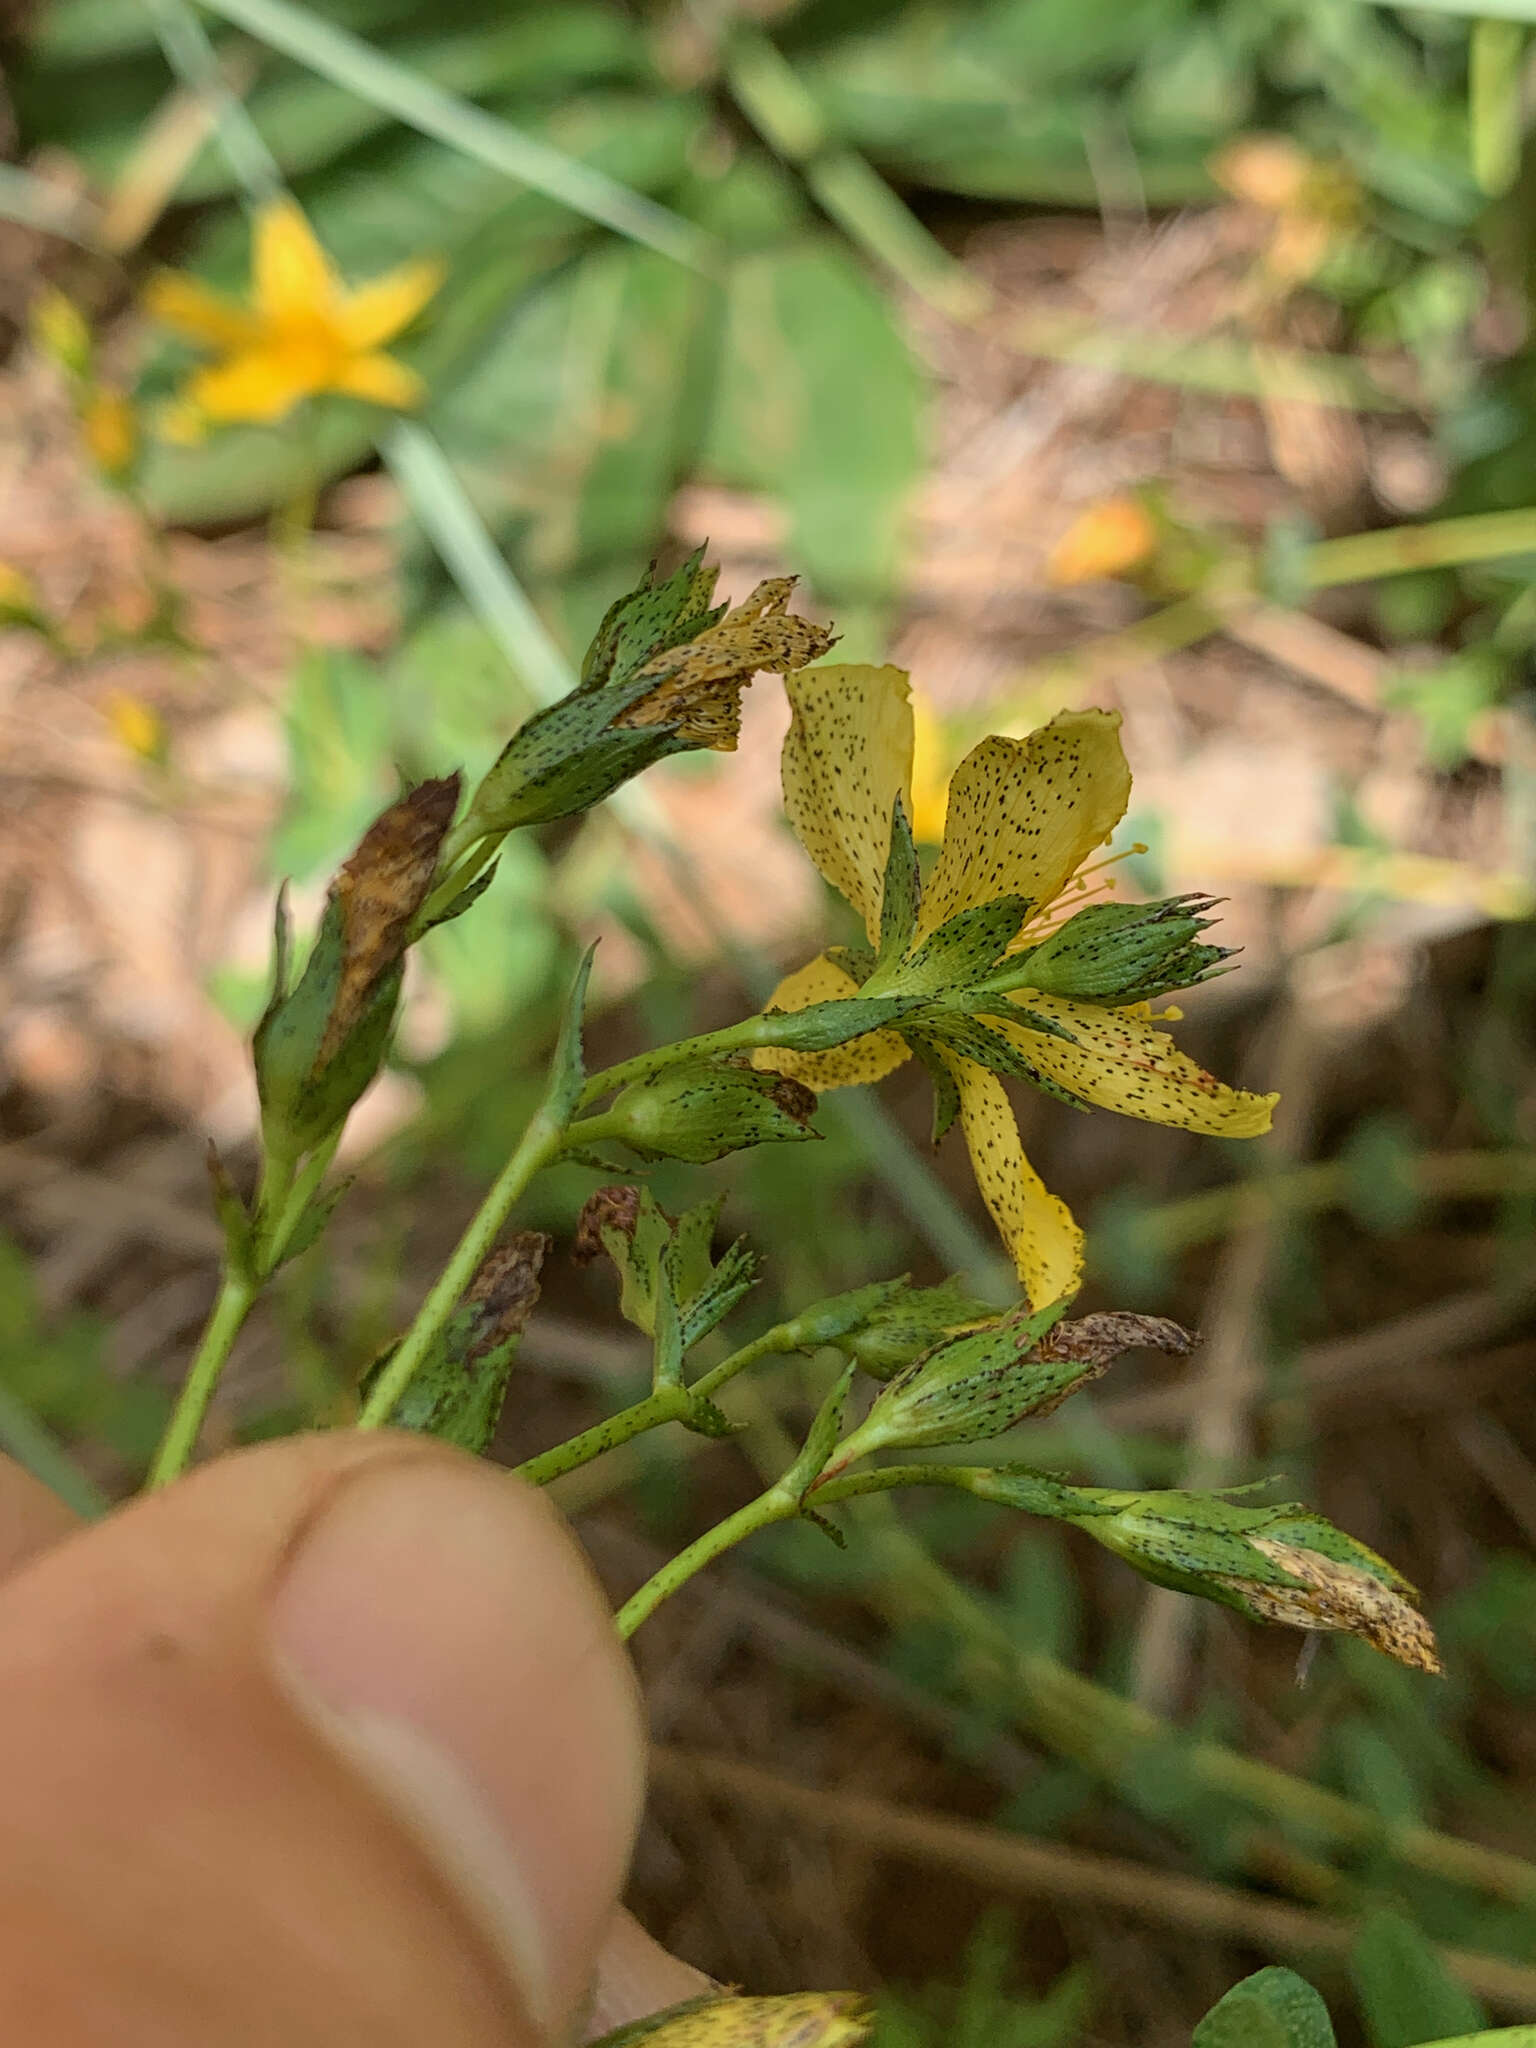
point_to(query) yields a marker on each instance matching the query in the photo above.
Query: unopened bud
(700, 1110)
(665, 674)
(1121, 952)
(984, 1381)
(321, 1042)
(1280, 1563)
(904, 1326)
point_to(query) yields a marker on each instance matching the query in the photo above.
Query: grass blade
(348, 61)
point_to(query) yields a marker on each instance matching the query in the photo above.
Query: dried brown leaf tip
(1099, 1340)
(1338, 1596)
(505, 1291)
(610, 1208)
(699, 686)
(804, 2019)
(378, 893)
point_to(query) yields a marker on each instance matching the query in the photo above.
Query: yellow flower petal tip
(110, 429)
(1109, 539)
(303, 331)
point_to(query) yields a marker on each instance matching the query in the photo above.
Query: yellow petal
(848, 753)
(377, 311)
(260, 386)
(930, 774)
(869, 1058)
(381, 380)
(191, 309)
(1044, 1242)
(1120, 1061)
(1025, 814)
(290, 272)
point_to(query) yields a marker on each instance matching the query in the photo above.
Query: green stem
(776, 1505)
(1442, 544)
(283, 1196)
(539, 1146)
(751, 1031)
(774, 1343)
(230, 1310)
(666, 1404)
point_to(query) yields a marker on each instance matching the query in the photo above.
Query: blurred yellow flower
(1024, 817)
(18, 598)
(1109, 539)
(304, 332)
(136, 725)
(110, 429)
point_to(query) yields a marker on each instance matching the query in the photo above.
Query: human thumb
(331, 1742)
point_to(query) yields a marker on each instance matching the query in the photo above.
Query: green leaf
(901, 890)
(1274, 2008)
(820, 402)
(1406, 1994)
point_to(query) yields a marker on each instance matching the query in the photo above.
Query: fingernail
(438, 1627)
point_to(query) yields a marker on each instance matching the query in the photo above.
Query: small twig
(1061, 1875)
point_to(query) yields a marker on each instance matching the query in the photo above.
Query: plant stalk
(778, 1504)
(539, 1146)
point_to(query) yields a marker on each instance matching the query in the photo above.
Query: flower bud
(982, 1382)
(1121, 952)
(321, 1042)
(904, 1326)
(461, 1387)
(800, 2019)
(699, 1110)
(664, 674)
(1280, 1563)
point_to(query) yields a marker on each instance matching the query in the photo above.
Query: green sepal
(821, 1438)
(649, 619)
(970, 1387)
(975, 1041)
(318, 1212)
(902, 1328)
(827, 1527)
(1117, 953)
(234, 1218)
(946, 1090)
(966, 948)
(701, 1110)
(901, 892)
(826, 1322)
(567, 1068)
(467, 897)
(733, 1277)
(565, 759)
(857, 962)
(667, 1333)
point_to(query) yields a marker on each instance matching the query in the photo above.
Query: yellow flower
(110, 430)
(136, 725)
(1023, 818)
(1109, 539)
(930, 784)
(304, 331)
